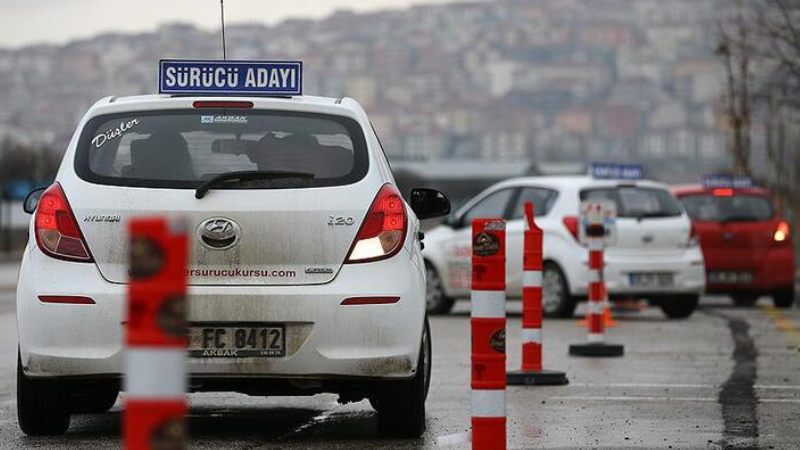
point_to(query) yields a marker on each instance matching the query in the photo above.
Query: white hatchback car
(297, 224)
(656, 255)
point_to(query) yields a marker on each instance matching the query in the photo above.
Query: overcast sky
(25, 22)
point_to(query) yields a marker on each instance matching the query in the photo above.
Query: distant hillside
(506, 80)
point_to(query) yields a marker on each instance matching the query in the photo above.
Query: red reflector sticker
(370, 300)
(64, 299)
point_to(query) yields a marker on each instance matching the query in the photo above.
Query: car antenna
(222, 21)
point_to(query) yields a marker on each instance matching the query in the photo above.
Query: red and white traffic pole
(595, 315)
(155, 354)
(488, 334)
(532, 372)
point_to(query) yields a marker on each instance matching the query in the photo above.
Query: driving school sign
(598, 222)
(269, 78)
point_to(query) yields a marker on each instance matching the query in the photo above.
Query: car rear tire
(94, 399)
(436, 301)
(680, 307)
(556, 300)
(401, 404)
(43, 407)
(783, 299)
(744, 300)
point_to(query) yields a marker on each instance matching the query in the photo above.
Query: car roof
(576, 182)
(308, 103)
(697, 189)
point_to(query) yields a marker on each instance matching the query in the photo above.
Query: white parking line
(651, 398)
(647, 385)
(680, 386)
(634, 398)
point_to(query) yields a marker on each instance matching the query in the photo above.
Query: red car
(746, 244)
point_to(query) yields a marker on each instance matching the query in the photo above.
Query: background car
(297, 230)
(746, 244)
(656, 255)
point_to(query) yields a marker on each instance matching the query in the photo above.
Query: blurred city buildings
(517, 83)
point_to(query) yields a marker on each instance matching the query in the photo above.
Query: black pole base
(543, 378)
(597, 350)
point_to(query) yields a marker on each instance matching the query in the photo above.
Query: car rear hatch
(291, 221)
(649, 220)
(736, 229)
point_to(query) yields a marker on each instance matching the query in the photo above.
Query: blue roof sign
(609, 171)
(194, 77)
(727, 182)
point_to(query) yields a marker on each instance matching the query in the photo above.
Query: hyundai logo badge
(219, 233)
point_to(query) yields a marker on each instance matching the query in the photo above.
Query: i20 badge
(219, 233)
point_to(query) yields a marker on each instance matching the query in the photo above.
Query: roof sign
(610, 171)
(727, 182)
(195, 77)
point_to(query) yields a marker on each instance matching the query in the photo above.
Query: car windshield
(735, 208)
(183, 149)
(636, 202)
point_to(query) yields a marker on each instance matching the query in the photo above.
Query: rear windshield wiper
(249, 175)
(653, 215)
(739, 218)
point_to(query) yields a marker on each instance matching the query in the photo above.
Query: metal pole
(222, 20)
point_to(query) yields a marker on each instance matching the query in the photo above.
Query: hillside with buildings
(505, 81)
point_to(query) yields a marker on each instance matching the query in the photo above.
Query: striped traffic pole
(488, 334)
(608, 319)
(532, 372)
(155, 366)
(596, 346)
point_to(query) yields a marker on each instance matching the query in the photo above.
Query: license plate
(237, 342)
(652, 280)
(730, 277)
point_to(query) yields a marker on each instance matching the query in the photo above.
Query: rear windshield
(636, 201)
(736, 208)
(182, 149)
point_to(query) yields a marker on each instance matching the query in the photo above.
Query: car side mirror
(429, 203)
(32, 200)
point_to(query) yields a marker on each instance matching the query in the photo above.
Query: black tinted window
(182, 149)
(737, 208)
(636, 202)
(542, 200)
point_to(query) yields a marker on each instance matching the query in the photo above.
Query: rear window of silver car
(184, 148)
(637, 202)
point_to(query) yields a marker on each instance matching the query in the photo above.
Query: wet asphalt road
(726, 378)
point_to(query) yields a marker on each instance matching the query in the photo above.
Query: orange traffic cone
(607, 317)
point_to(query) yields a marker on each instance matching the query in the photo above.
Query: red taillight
(571, 223)
(384, 229)
(782, 232)
(222, 104)
(694, 237)
(722, 192)
(56, 229)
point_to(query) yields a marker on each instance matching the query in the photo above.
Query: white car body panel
(449, 250)
(324, 338)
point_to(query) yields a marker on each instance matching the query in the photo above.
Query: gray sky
(25, 22)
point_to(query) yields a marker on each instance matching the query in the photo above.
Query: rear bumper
(686, 268)
(325, 340)
(773, 270)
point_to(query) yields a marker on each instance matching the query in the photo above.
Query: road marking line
(454, 439)
(648, 385)
(640, 398)
(678, 386)
(644, 398)
(783, 324)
